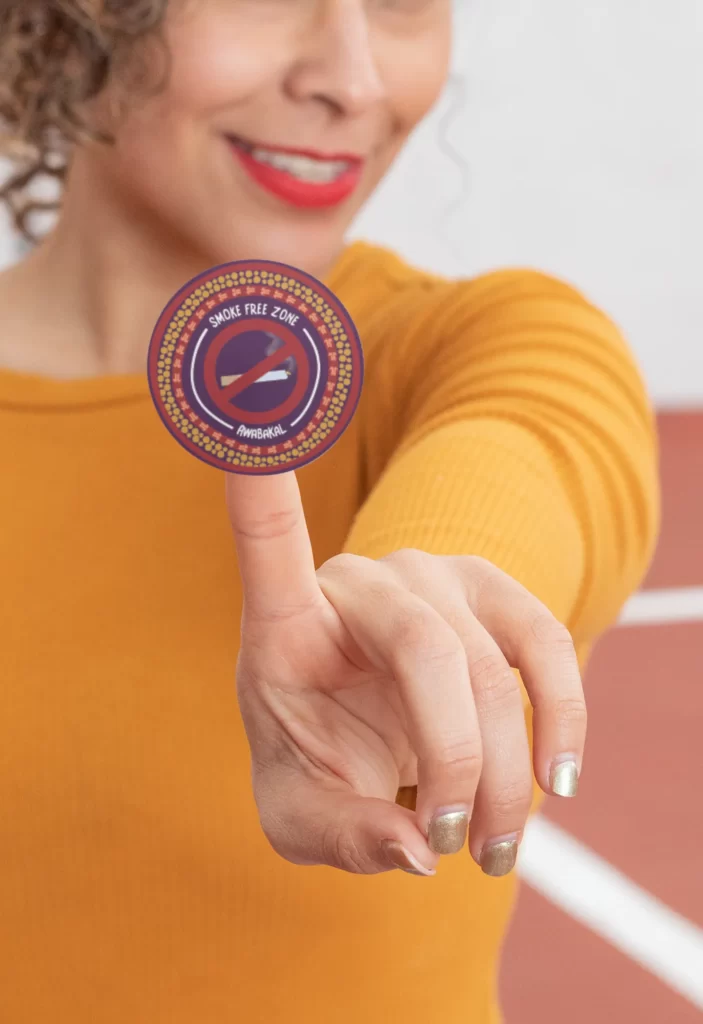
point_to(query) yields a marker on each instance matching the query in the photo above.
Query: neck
(104, 275)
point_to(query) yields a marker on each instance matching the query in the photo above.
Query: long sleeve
(505, 417)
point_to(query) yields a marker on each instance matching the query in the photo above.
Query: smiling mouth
(304, 167)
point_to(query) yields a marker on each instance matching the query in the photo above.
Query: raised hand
(367, 676)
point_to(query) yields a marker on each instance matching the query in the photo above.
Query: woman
(496, 488)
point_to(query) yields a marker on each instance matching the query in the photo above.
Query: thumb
(337, 828)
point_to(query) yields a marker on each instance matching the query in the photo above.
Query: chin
(313, 248)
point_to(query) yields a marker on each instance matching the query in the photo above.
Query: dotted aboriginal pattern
(185, 323)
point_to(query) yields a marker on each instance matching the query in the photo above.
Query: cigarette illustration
(271, 375)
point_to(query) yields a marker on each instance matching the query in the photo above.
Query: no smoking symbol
(223, 390)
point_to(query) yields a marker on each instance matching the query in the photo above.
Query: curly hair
(55, 56)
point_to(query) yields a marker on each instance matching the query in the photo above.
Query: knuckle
(345, 564)
(481, 566)
(476, 575)
(570, 712)
(549, 632)
(342, 851)
(444, 656)
(480, 572)
(437, 655)
(416, 628)
(268, 526)
(493, 678)
(461, 761)
(407, 558)
(512, 799)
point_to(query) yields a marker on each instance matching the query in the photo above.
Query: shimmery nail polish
(448, 830)
(564, 778)
(401, 858)
(499, 859)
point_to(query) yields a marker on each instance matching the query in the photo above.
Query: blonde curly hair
(55, 56)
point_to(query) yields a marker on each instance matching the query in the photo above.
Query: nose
(336, 65)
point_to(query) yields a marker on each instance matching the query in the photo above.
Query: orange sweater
(503, 417)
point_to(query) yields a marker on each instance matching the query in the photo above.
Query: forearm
(492, 487)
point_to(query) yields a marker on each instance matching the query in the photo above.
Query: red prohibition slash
(223, 398)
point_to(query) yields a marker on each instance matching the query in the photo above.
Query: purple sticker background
(243, 352)
(237, 357)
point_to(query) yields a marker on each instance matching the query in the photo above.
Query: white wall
(581, 125)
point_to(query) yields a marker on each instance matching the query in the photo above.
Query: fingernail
(564, 778)
(448, 830)
(401, 858)
(499, 858)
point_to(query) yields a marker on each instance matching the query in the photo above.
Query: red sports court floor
(609, 925)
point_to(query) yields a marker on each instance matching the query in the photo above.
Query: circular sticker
(255, 367)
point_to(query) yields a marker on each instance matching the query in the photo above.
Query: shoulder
(363, 264)
(402, 309)
(373, 278)
(517, 335)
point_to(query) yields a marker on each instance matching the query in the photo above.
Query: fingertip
(392, 832)
(448, 829)
(400, 857)
(559, 774)
(564, 776)
(497, 855)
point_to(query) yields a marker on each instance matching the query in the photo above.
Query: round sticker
(255, 367)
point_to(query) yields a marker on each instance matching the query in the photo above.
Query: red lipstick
(286, 185)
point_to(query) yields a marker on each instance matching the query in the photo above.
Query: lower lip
(305, 194)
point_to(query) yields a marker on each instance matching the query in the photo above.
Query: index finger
(273, 545)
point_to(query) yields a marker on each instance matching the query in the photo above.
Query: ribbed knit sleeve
(505, 417)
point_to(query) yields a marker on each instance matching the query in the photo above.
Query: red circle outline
(244, 415)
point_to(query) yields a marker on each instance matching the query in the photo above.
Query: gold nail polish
(447, 832)
(399, 857)
(564, 779)
(500, 858)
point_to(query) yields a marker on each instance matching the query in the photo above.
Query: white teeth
(319, 172)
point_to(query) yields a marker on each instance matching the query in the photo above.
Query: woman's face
(278, 119)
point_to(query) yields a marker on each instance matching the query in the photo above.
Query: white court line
(606, 901)
(658, 607)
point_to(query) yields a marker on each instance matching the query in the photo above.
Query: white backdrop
(581, 129)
